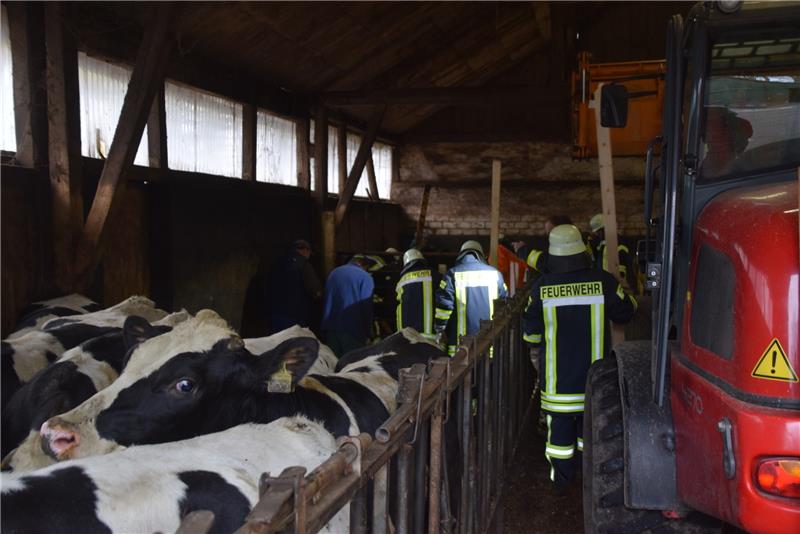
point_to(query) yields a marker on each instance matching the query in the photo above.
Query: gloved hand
(440, 339)
(534, 356)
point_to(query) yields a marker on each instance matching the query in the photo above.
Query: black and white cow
(24, 355)
(80, 373)
(199, 379)
(35, 315)
(151, 488)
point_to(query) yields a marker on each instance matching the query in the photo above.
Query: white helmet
(412, 254)
(596, 222)
(472, 245)
(565, 240)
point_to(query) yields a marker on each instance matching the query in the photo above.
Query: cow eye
(184, 385)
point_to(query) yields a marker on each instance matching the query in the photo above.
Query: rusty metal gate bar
(466, 411)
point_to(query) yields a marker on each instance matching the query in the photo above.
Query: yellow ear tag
(280, 381)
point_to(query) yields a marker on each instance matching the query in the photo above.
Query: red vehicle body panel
(757, 228)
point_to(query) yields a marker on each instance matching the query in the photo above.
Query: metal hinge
(653, 276)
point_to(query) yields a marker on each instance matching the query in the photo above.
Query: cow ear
(289, 362)
(137, 330)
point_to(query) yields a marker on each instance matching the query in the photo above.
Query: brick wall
(539, 180)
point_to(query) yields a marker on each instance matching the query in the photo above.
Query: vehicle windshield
(752, 107)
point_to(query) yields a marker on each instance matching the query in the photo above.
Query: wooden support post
(606, 163)
(494, 232)
(321, 155)
(328, 242)
(249, 127)
(64, 143)
(147, 77)
(303, 154)
(423, 213)
(358, 165)
(26, 23)
(373, 180)
(341, 147)
(157, 132)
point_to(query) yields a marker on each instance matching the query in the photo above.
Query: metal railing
(438, 463)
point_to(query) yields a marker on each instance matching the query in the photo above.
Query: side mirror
(614, 106)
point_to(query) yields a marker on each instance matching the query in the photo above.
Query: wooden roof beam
(445, 96)
(146, 79)
(364, 152)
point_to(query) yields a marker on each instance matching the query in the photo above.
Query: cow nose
(58, 438)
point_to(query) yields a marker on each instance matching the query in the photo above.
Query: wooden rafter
(364, 151)
(63, 143)
(147, 77)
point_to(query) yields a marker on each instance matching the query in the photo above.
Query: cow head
(195, 380)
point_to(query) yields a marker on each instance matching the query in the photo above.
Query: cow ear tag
(280, 381)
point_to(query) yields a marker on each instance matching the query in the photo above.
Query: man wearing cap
(415, 294)
(347, 306)
(566, 322)
(466, 295)
(292, 288)
(597, 244)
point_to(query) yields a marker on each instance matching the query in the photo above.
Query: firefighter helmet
(412, 254)
(566, 240)
(596, 222)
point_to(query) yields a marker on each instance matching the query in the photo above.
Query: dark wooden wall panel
(27, 260)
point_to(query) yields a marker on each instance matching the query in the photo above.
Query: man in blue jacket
(347, 307)
(469, 289)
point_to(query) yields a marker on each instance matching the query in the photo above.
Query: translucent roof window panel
(353, 142)
(204, 132)
(102, 86)
(276, 150)
(333, 161)
(8, 135)
(382, 158)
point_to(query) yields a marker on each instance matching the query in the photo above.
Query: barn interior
(436, 90)
(167, 155)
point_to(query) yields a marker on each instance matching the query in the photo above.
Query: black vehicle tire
(604, 509)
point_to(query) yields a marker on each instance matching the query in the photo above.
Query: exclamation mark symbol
(774, 360)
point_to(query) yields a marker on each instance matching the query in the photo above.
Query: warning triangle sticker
(774, 365)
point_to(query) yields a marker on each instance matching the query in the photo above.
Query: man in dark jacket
(292, 288)
(347, 306)
(566, 322)
(466, 295)
(415, 294)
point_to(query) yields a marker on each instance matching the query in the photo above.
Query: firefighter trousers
(564, 445)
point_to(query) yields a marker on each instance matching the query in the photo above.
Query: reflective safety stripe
(620, 292)
(451, 350)
(532, 338)
(427, 306)
(572, 301)
(399, 309)
(550, 352)
(556, 451)
(634, 302)
(580, 444)
(533, 258)
(416, 276)
(563, 397)
(598, 330)
(443, 314)
(562, 408)
(465, 280)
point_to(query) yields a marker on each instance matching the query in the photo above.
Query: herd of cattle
(128, 418)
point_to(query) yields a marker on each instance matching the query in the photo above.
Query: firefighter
(597, 244)
(537, 259)
(566, 322)
(415, 294)
(466, 295)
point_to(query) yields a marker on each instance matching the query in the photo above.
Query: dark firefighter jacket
(415, 297)
(466, 296)
(567, 316)
(600, 254)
